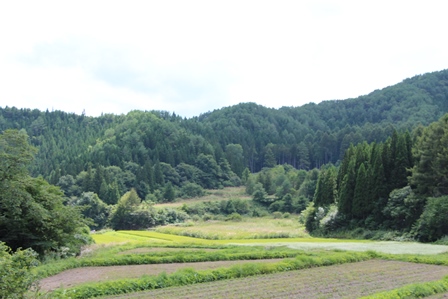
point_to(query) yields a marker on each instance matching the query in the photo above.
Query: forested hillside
(157, 150)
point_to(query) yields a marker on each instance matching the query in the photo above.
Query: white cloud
(194, 56)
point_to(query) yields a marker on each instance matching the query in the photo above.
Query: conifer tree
(325, 188)
(361, 204)
(346, 192)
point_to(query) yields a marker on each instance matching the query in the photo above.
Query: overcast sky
(190, 57)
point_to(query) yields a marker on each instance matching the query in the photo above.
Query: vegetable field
(339, 281)
(149, 264)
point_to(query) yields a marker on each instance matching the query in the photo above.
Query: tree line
(397, 185)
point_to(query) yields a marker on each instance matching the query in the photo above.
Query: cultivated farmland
(339, 281)
(172, 266)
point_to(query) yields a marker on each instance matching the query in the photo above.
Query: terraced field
(173, 266)
(73, 277)
(339, 281)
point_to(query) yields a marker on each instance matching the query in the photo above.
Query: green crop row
(417, 290)
(226, 253)
(191, 276)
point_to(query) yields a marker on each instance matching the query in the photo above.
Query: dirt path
(78, 276)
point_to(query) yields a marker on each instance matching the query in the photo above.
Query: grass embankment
(109, 256)
(78, 276)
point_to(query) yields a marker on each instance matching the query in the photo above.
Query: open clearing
(248, 228)
(339, 281)
(78, 276)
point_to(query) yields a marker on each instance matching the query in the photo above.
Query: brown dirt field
(162, 249)
(78, 276)
(339, 281)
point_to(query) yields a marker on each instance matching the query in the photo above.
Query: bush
(16, 277)
(277, 215)
(190, 190)
(433, 223)
(234, 217)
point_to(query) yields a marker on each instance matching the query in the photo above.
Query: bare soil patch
(78, 276)
(338, 281)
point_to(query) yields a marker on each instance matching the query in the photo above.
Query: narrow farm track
(78, 276)
(339, 281)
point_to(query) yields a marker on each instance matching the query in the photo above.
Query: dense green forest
(342, 164)
(140, 144)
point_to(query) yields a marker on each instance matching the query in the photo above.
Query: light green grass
(111, 237)
(308, 243)
(248, 228)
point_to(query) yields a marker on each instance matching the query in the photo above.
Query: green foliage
(222, 207)
(325, 193)
(235, 157)
(368, 173)
(260, 195)
(431, 160)
(121, 215)
(234, 217)
(16, 277)
(110, 154)
(32, 212)
(245, 176)
(403, 209)
(15, 155)
(169, 194)
(433, 222)
(417, 290)
(93, 208)
(190, 190)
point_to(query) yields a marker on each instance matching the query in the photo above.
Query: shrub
(277, 215)
(433, 223)
(16, 277)
(234, 217)
(190, 190)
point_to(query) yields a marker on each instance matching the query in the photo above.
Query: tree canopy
(32, 212)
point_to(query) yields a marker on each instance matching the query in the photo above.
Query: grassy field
(301, 243)
(248, 228)
(212, 195)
